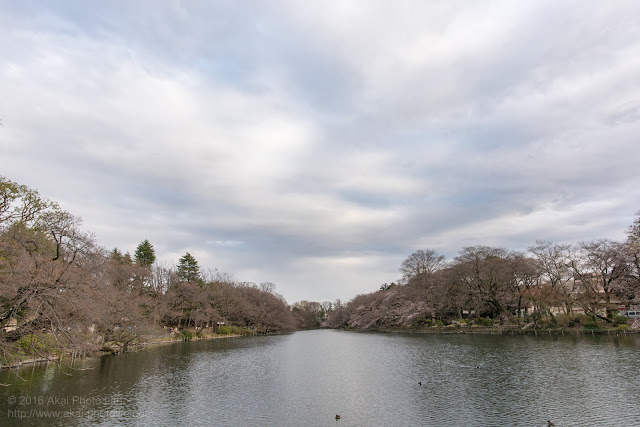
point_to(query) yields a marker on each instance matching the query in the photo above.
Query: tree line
(57, 281)
(57, 284)
(554, 282)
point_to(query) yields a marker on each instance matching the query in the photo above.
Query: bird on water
(337, 417)
(550, 424)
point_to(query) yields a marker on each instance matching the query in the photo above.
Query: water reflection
(369, 379)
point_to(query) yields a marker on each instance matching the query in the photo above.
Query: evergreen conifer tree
(145, 255)
(188, 269)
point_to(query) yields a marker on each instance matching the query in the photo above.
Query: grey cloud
(316, 147)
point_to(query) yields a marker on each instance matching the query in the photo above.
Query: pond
(369, 379)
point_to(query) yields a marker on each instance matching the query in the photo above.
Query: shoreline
(498, 331)
(52, 358)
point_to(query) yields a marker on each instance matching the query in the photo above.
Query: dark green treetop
(145, 255)
(188, 269)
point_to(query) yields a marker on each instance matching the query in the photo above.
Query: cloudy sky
(316, 144)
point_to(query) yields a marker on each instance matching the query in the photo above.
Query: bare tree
(19, 203)
(308, 314)
(631, 284)
(51, 281)
(599, 268)
(524, 278)
(553, 260)
(484, 273)
(421, 263)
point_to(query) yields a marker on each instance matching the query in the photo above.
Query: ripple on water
(306, 378)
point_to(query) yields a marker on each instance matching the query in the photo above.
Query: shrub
(224, 330)
(187, 334)
(590, 325)
(233, 330)
(619, 319)
(35, 344)
(236, 330)
(483, 321)
(423, 322)
(583, 318)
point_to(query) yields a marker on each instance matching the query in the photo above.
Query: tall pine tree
(145, 255)
(188, 269)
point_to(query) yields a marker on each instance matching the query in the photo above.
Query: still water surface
(370, 379)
